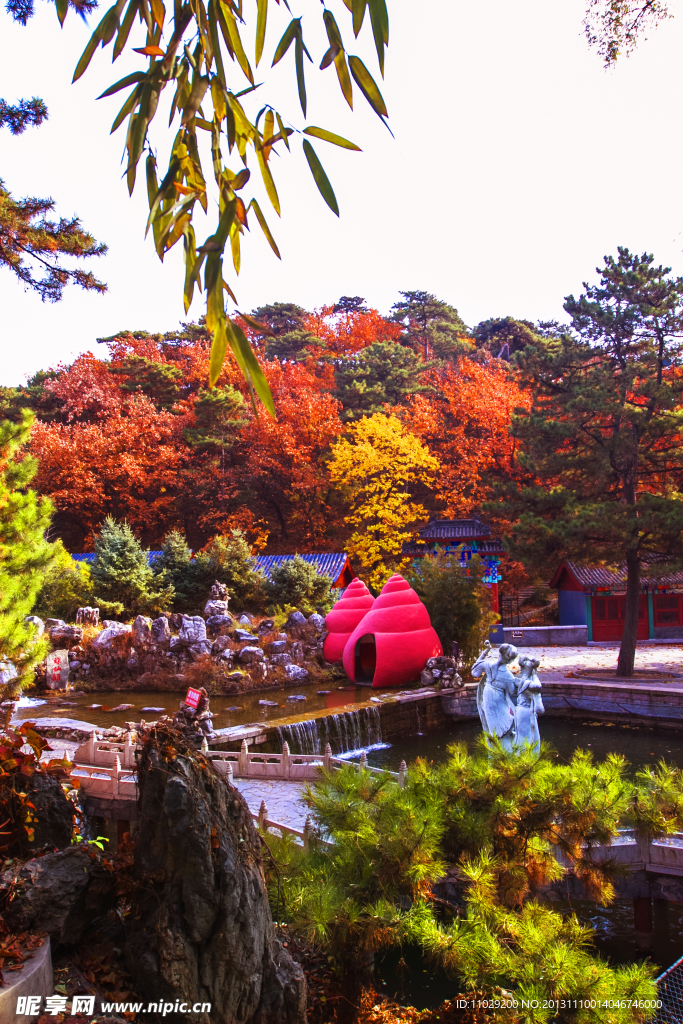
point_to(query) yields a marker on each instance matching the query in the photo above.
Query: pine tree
(603, 438)
(122, 577)
(379, 374)
(229, 560)
(182, 571)
(25, 555)
(297, 582)
(431, 326)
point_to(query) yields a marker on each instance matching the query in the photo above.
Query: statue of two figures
(509, 705)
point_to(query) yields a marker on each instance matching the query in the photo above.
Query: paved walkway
(283, 799)
(557, 662)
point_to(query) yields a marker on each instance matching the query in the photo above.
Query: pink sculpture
(344, 617)
(391, 644)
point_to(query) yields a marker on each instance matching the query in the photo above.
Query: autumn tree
(602, 437)
(26, 557)
(377, 464)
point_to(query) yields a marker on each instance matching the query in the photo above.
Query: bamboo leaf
(337, 140)
(124, 30)
(320, 178)
(137, 76)
(257, 326)
(288, 38)
(342, 69)
(261, 28)
(284, 132)
(268, 180)
(87, 55)
(264, 227)
(158, 12)
(127, 107)
(367, 86)
(245, 356)
(237, 45)
(380, 29)
(358, 12)
(219, 347)
(62, 8)
(299, 62)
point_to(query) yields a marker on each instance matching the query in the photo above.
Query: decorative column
(650, 615)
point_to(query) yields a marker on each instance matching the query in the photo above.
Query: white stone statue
(496, 693)
(529, 704)
(509, 705)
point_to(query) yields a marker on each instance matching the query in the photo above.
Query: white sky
(517, 163)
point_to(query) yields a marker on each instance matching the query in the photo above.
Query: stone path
(556, 662)
(283, 799)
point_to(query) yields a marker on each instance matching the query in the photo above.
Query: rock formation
(200, 923)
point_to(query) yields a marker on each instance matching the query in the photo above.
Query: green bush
(66, 587)
(459, 604)
(229, 560)
(123, 580)
(186, 575)
(298, 583)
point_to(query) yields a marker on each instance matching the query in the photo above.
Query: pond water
(235, 709)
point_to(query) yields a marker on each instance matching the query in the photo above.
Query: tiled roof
(331, 565)
(594, 577)
(90, 556)
(454, 529)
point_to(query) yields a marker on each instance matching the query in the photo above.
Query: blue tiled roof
(331, 565)
(90, 556)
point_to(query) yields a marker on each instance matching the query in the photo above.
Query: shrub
(229, 560)
(298, 583)
(66, 587)
(458, 603)
(123, 580)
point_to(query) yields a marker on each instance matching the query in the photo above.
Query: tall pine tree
(25, 554)
(603, 437)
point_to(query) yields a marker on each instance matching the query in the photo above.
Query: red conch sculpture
(391, 644)
(344, 617)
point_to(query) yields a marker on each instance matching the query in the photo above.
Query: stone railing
(97, 751)
(658, 857)
(249, 764)
(112, 782)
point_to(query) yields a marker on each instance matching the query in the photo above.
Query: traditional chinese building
(595, 597)
(473, 535)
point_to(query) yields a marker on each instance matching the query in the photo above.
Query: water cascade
(346, 731)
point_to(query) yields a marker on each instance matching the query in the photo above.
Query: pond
(235, 709)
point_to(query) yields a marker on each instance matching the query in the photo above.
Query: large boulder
(296, 672)
(38, 623)
(215, 608)
(241, 636)
(54, 814)
(200, 650)
(200, 927)
(110, 634)
(251, 654)
(161, 631)
(317, 621)
(193, 630)
(64, 636)
(276, 646)
(142, 631)
(220, 645)
(49, 893)
(51, 623)
(217, 622)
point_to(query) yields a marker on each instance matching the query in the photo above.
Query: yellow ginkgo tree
(227, 117)
(376, 464)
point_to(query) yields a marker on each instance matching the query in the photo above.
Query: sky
(517, 163)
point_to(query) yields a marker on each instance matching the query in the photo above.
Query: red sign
(193, 697)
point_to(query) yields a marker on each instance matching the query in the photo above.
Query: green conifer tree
(431, 326)
(188, 576)
(381, 373)
(122, 577)
(298, 582)
(603, 438)
(229, 560)
(25, 555)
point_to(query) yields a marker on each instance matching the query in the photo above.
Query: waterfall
(346, 731)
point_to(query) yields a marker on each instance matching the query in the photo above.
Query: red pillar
(494, 597)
